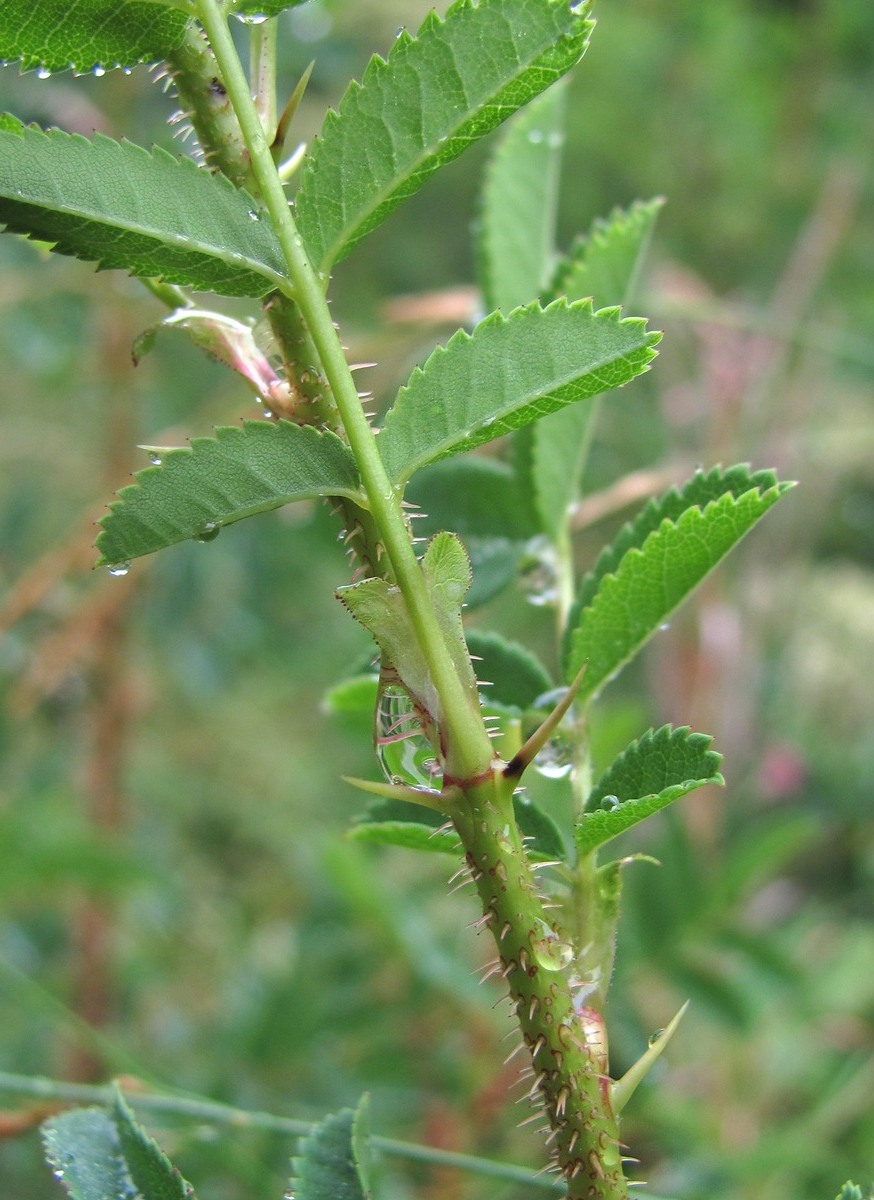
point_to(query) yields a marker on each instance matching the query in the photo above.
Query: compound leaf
(650, 774)
(509, 372)
(238, 473)
(333, 1162)
(518, 206)
(149, 213)
(55, 35)
(416, 111)
(656, 562)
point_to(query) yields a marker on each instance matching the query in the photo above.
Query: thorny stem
(569, 1073)
(569, 1077)
(469, 751)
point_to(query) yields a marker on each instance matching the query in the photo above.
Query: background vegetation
(177, 901)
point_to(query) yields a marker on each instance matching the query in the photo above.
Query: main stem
(569, 1078)
(469, 753)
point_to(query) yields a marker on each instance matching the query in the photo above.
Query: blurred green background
(177, 900)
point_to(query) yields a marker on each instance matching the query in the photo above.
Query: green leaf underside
(605, 267)
(508, 372)
(216, 481)
(395, 823)
(82, 1148)
(98, 1155)
(650, 774)
(54, 35)
(416, 111)
(606, 263)
(516, 678)
(148, 213)
(628, 604)
(381, 609)
(519, 199)
(332, 1162)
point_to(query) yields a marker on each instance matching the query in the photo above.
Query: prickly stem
(198, 83)
(569, 1074)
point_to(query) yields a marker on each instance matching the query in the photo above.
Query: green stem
(469, 751)
(569, 1075)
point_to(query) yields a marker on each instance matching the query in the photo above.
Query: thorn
(490, 970)
(505, 929)
(530, 1120)
(623, 1089)
(522, 758)
(574, 1138)
(362, 366)
(533, 1007)
(539, 1043)
(553, 1135)
(561, 1101)
(514, 1051)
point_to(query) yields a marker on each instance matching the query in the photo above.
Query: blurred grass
(258, 958)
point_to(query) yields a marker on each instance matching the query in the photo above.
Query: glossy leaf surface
(652, 773)
(238, 473)
(148, 213)
(419, 109)
(55, 35)
(507, 373)
(655, 563)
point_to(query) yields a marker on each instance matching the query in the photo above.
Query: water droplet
(535, 136)
(267, 414)
(209, 532)
(655, 1038)
(665, 627)
(609, 803)
(251, 18)
(99, 72)
(538, 573)
(43, 73)
(550, 951)
(556, 759)
(127, 70)
(155, 459)
(118, 570)
(402, 749)
(254, 216)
